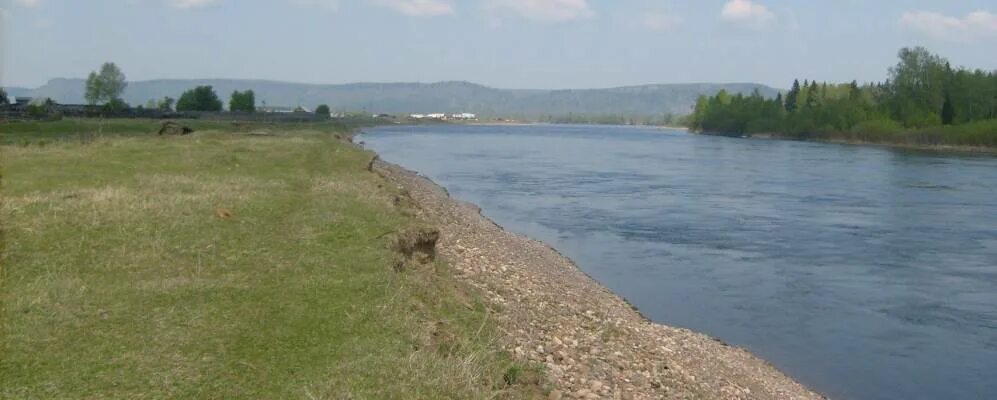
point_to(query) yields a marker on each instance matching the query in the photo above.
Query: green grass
(86, 129)
(979, 134)
(121, 281)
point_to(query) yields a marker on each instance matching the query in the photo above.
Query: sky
(540, 44)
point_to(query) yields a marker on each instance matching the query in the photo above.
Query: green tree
(201, 98)
(948, 112)
(3, 97)
(106, 85)
(166, 104)
(323, 110)
(242, 101)
(813, 95)
(793, 97)
(43, 109)
(115, 106)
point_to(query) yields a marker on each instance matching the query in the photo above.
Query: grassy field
(224, 265)
(83, 130)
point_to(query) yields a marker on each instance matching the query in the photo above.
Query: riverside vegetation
(925, 102)
(244, 261)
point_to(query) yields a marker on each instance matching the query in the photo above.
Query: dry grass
(122, 280)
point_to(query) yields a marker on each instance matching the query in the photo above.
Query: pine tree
(853, 91)
(812, 95)
(792, 98)
(948, 111)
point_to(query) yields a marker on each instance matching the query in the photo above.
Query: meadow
(243, 261)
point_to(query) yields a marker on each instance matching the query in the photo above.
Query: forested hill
(646, 100)
(925, 101)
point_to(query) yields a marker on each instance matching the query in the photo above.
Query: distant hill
(17, 91)
(645, 100)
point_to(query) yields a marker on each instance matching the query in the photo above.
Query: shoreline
(939, 148)
(590, 341)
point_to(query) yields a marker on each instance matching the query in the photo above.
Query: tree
(42, 109)
(923, 91)
(948, 112)
(105, 86)
(115, 105)
(242, 101)
(201, 98)
(166, 104)
(3, 97)
(812, 95)
(793, 97)
(323, 110)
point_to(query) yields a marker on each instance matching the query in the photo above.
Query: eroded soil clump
(415, 246)
(170, 128)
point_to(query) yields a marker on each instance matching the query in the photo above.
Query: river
(863, 272)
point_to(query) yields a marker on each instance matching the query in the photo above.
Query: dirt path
(594, 344)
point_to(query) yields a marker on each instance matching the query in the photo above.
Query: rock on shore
(593, 344)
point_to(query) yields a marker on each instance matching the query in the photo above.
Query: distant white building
(464, 116)
(444, 116)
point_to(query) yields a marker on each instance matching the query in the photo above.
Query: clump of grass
(123, 280)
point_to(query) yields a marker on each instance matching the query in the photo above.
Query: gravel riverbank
(592, 343)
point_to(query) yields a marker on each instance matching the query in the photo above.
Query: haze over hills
(644, 100)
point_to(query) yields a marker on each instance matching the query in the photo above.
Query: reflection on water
(864, 272)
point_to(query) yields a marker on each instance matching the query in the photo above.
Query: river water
(863, 272)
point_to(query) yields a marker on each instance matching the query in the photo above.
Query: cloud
(661, 21)
(939, 26)
(185, 4)
(29, 3)
(748, 14)
(545, 10)
(418, 8)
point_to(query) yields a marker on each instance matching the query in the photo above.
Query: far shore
(941, 148)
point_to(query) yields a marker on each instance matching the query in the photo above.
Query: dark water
(865, 273)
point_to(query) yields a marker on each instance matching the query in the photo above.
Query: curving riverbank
(591, 342)
(942, 148)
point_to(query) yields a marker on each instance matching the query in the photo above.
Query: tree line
(923, 94)
(104, 88)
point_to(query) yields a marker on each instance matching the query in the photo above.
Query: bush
(878, 127)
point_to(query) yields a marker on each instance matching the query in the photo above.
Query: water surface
(863, 272)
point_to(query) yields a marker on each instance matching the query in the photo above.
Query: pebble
(566, 315)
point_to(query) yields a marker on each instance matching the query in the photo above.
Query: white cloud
(748, 14)
(418, 8)
(939, 26)
(29, 3)
(184, 4)
(660, 21)
(545, 10)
